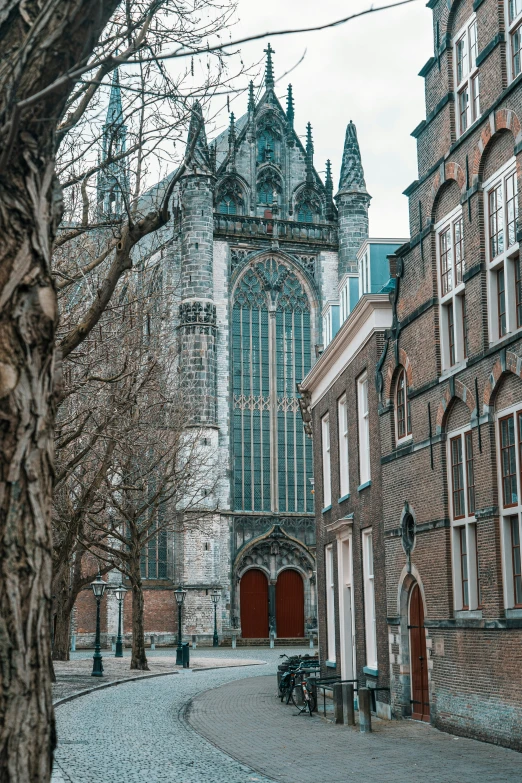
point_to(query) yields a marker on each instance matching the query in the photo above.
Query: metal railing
(284, 230)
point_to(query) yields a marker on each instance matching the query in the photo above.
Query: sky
(365, 71)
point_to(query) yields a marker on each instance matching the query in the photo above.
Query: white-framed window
(509, 435)
(514, 28)
(327, 327)
(502, 252)
(467, 92)
(344, 477)
(402, 408)
(466, 577)
(346, 605)
(369, 600)
(364, 274)
(344, 297)
(364, 428)
(327, 471)
(330, 602)
(449, 234)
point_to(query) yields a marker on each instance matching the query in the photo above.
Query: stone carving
(197, 317)
(251, 403)
(275, 552)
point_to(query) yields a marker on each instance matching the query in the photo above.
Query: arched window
(403, 407)
(266, 147)
(227, 206)
(265, 194)
(272, 456)
(304, 213)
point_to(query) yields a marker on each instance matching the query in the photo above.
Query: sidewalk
(256, 729)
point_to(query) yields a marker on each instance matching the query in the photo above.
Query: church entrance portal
(289, 604)
(418, 661)
(254, 604)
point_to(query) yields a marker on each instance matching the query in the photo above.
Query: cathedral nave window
(227, 206)
(304, 213)
(266, 147)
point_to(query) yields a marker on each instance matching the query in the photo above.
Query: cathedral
(263, 251)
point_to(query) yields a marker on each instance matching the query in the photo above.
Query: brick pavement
(272, 738)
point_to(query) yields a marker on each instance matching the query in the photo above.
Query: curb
(110, 684)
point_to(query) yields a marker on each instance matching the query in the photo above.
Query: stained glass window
(271, 353)
(304, 213)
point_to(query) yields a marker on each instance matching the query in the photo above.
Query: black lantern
(180, 595)
(215, 595)
(119, 592)
(98, 588)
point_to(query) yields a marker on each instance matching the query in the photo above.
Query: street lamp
(215, 596)
(98, 588)
(180, 594)
(120, 595)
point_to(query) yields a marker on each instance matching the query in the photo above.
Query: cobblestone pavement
(136, 731)
(278, 742)
(74, 676)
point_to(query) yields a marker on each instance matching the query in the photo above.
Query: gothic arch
(505, 364)
(501, 120)
(234, 186)
(409, 577)
(459, 391)
(450, 171)
(391, 375)
(306, 193)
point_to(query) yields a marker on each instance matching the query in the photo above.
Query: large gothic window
(271, 353)
(266, 147)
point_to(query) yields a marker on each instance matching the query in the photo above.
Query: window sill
(363, 486)
(326, 508)
(468, 614)
(498, 342)
(514, 614)
(452, 370)
(331, 664)
(344, 497)
(371, 671)
(403, 441)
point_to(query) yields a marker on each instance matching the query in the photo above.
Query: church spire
(309, 154)
(200, 159)
(352, 174)
(113, 177)
(115, 110)
(290, 115)
(328, 186)
(251, 100)
(269, 68)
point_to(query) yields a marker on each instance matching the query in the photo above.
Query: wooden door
(420, 699)
(289, 604)
(254, 605)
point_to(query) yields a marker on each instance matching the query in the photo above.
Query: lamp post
(180, 594)
(120, 595)
(98, 588)
(215, 596)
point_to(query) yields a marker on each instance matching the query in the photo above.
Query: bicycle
(302, 694)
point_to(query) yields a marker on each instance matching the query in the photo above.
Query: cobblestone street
(138, 731)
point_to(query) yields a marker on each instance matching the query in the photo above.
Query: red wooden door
(289, 604)
(418, 661)
(254, 605)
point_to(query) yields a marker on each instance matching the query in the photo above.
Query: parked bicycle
(294, 683)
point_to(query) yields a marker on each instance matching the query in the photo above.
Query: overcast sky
(365, 71)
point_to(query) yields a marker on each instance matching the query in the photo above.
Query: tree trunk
(62, 611)
(52, 40)
(138, 659)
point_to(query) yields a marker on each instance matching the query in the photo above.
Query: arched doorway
(289, 604)
(420, 698)
(254, 604)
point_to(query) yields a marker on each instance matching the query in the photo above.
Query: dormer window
(227, 206)
(466, 76)
(305, 214)
(515, 37)
(266, 147)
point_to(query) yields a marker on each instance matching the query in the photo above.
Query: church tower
(197, 312)
(352, 203)
(113, 177)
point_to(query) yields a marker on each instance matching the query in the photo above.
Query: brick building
(254, 253)
(450, 393)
